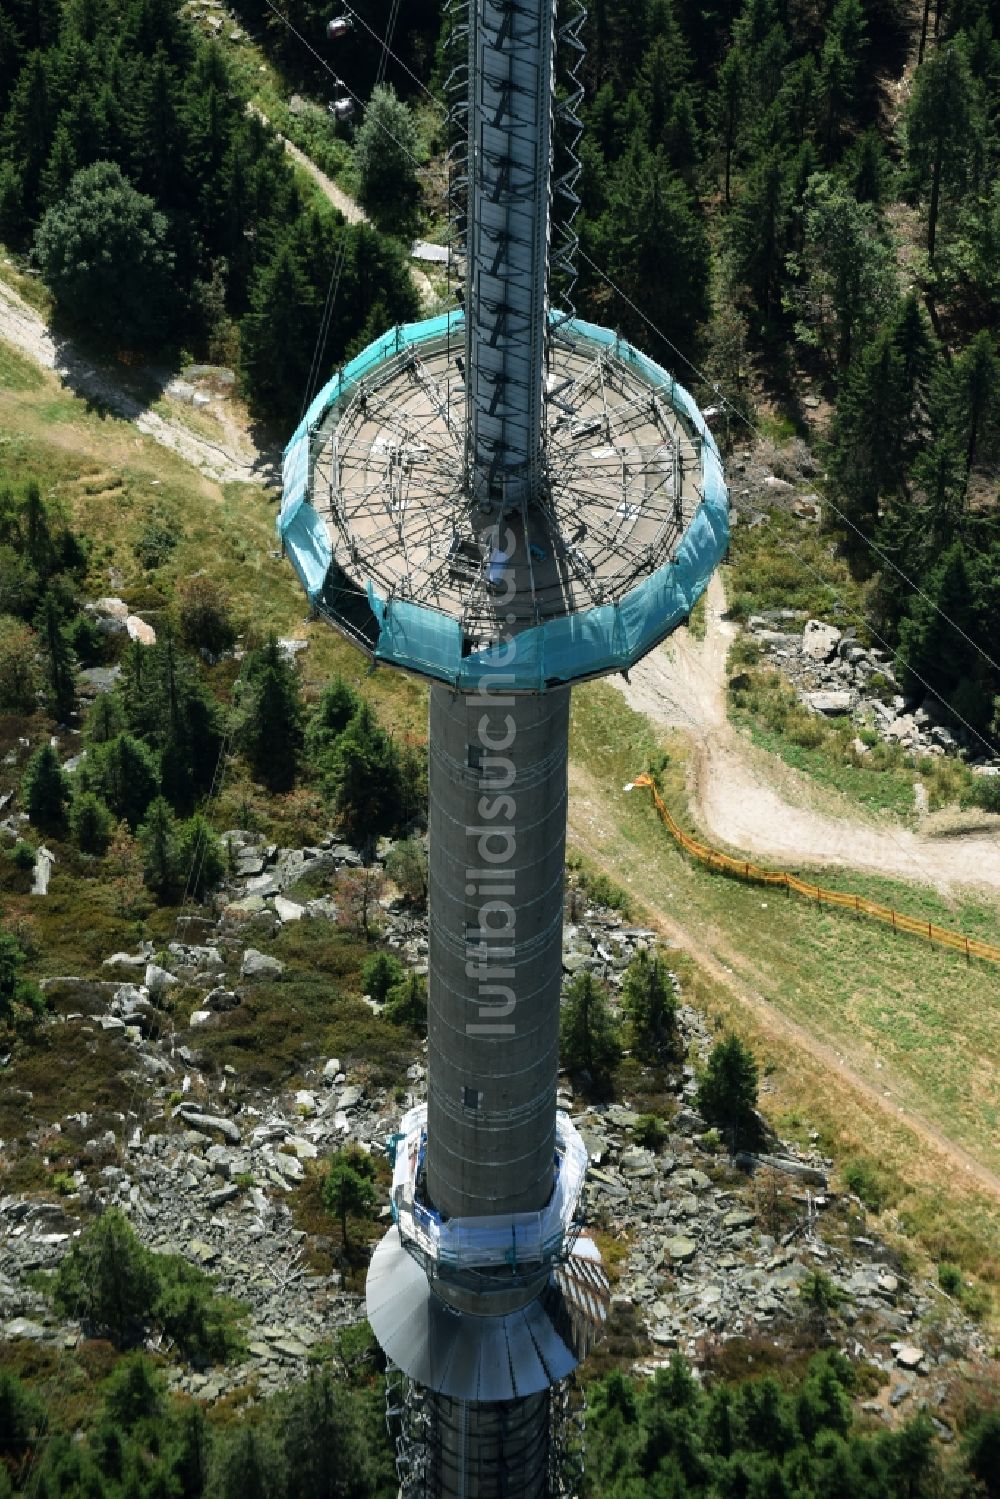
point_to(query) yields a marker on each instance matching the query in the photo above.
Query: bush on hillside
(104, 252)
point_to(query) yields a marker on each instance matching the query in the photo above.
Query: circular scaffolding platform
(619, 542)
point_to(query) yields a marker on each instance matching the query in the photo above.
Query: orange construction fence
(972, 947)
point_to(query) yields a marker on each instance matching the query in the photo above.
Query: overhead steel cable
(752, 427)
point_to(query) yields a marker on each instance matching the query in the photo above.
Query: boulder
(139, 630)
(257, 965)
(681, 1249)
(909, 1356)
(819, 641)
(158, 980)
(112, 608)
(830, 704)
(210, 1122)
(288, 910)
(221, 999)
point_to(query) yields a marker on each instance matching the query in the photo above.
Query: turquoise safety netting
(598, 640)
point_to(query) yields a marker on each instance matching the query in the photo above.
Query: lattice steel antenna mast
(504, 500)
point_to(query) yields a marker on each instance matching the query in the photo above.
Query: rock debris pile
(708, 1251)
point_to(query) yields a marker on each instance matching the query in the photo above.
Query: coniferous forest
(779, 189)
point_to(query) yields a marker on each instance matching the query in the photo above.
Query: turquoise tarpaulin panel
(308, 546)
(420, 639)
(608, 638)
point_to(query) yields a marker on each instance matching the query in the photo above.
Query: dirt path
(756, 804)
(27, 331)
(351, 210)
(591, 831)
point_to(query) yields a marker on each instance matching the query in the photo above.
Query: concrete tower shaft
(497, 839)
(542, 512)
(510, 106)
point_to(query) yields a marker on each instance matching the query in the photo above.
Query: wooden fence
(755, 874)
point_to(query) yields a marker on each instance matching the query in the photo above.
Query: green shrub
(203, 616)
(203, 1325)
(866, 1183)
(90, 823)
(406, 1004)
(19, 997)
(406, 866)
(118, 1289)
(985, 793)
(22, 856)
(950, 1278)
(650, 1131)
(155, 543)
(381, 973)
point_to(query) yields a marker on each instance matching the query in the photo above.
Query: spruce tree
(348, 1190)
(269, 720)
(648, 1001)
(90, 823)
(872, 419)
(727, 1092)
(158, 840)
(940, 126)
(974, 397)
(365, 779)
(588, 1036)
(60, 662)
(123, 772)
(329, 719)
(45, 790)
